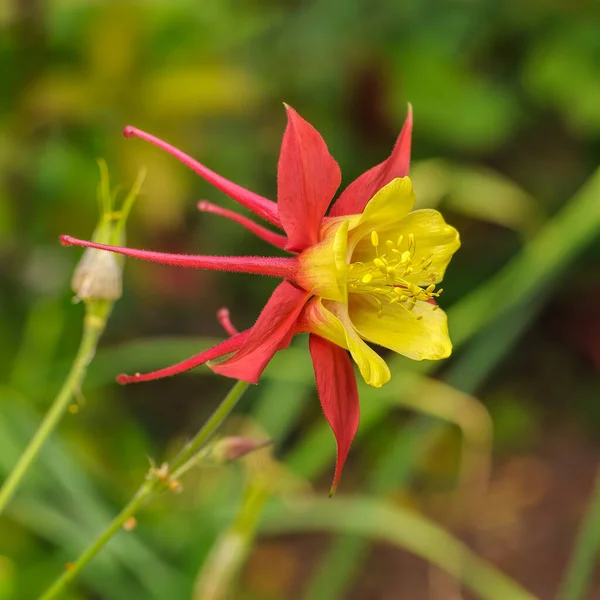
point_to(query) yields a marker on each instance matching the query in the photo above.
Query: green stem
(94, 324)
(155, 482)
(208, 429)
(227, 556)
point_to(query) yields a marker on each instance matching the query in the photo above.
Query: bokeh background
(506, 99)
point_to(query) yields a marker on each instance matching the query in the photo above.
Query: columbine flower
(367, 272)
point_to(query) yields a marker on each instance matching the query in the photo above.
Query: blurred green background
(506, 99)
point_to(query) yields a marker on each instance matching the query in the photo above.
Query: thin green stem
(209, 428)
(94, 324)
(126, 208)
(155, 483)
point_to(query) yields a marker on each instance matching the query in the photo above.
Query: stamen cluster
(387, 275)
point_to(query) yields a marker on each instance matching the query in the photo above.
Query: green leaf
(403, 528)
(476, 192)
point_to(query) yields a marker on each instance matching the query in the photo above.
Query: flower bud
(234, 447)
(99, 274)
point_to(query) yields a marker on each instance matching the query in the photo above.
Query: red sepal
(272, 331)
(263, 207)
(336, 384)
(354, 198)
(307, 179)
(226, 347)
(278, 240)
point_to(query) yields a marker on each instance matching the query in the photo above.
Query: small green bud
(99, 274)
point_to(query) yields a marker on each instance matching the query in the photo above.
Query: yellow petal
(322, 267)
(400, 330)
(433, 236)
(331, 321)
(386, 208)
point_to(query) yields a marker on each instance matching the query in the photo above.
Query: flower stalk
(189, 452)
(97, 282)
(157, 481)
(94, 325)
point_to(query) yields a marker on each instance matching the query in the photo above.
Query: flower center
(386, 275)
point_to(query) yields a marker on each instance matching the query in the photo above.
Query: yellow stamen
(386, 275)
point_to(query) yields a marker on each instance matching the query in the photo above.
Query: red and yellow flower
(366, 272)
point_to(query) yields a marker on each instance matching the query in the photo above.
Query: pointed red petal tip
(338, 394)
(307, 179)
(333, 489)
(355, 197)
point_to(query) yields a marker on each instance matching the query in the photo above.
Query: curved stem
(154, 483)
(94, 324)
(210, 427)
